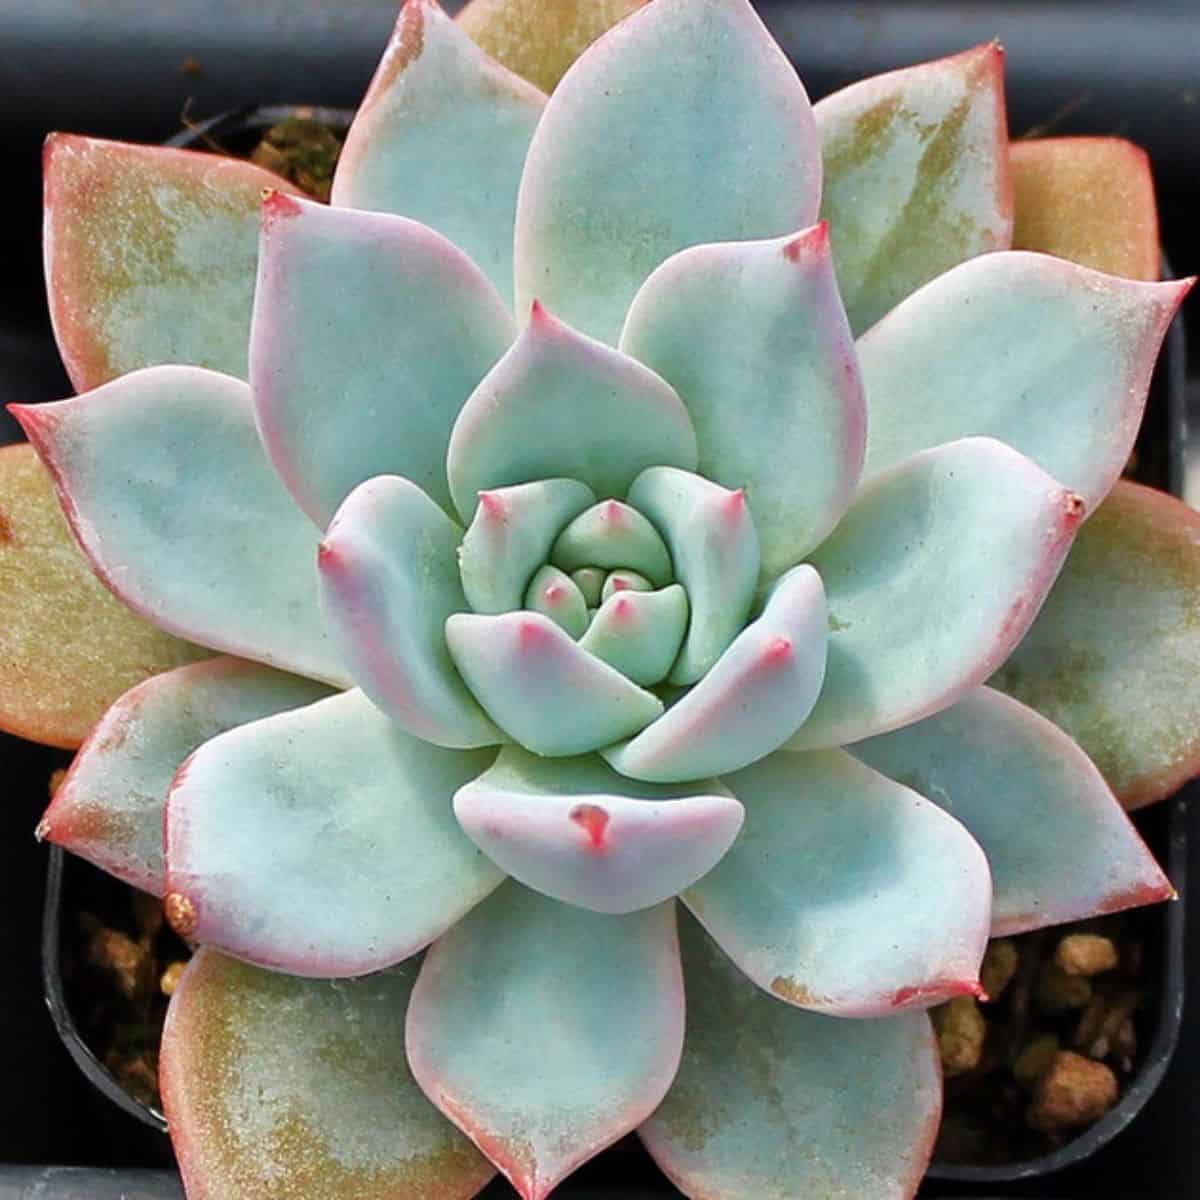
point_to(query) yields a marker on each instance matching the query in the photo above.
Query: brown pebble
(1086, 954)
(1074, 1091)
(1059, 992)
(56, 778)
(961, 1031)
(1000, 964)
(121, 955)
(170, 978)
(1034, 1061)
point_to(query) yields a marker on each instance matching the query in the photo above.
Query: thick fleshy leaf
(543, 689)
(201, 537)
(916, 176)
(985, 350)
(540, 41)
(754, 698)
(1112, 657)
(109, 808)
(561, 404)
(624, 581)
(441, 137)
(590, 581)
(545, 1031)
(389, 580)
(639, 633)
(577, 831)
(510, 537)
(753, 337)
(775, 1103)
(1058, 845)
(613, 535)
(1087, 199)
(847, 893)
(636, 159)
(554, 594)
(932, 578)
(321, 841)
(344, 390)
(714, 548)
(150, 256)
(70, 647)
(276, 1086)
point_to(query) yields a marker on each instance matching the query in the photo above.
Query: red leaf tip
(778, 650)
(593, 820)
(278, 206)
(493, 506)
(814, 240)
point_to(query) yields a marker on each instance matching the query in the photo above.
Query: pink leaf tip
(593, 820)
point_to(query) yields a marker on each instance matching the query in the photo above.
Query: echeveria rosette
(591, 595)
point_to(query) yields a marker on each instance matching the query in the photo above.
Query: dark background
(130, 68)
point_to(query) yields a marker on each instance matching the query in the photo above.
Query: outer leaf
(775, 1103)
(542, 688)
(150, 256)
(540, 41)
(916, 176)
(753, 699)
(577, 831)
(932, 578)
(109, 808)
(754, 338)
(1112, 658)
(510, 537)
(276, 1087)
(714, 548)
(545, 1031)
(621, 171)
(986, 348)
(561, 404)
(441, 137)
(847, 893)
(201, 539)
(70, 647)
(321, 842)
(1087, 199)
(1058, 845)
(355, 372)
(389, 580)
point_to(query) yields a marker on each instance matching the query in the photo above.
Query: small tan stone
(1058, 992)
(171, 977)
(961, 1030)
(1086, 954)
(1074, 1091)
(999, 966)
(1034, 1061)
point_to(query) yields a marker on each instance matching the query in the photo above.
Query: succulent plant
(551, 572)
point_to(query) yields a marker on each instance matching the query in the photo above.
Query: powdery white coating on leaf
(546, 1032)
(543, 689)
(756, 695)
(109, 808)
(684, 124)
(753, 337)
(355, 371)
(714, 549)
(441, 137)
(562, 404)
(181, 539)
(71, 648)
(279, 1088)
(1048, 357)
(846, 893)
(1058, 845)
(322, 842)
(916, 176)
(150, 256)
(575, 830)
(932, 577)
(774, 1103)
(1111, 658)
(389, 579)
